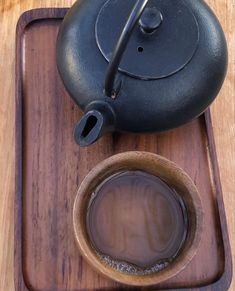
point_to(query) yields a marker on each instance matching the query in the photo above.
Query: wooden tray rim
(25, 19)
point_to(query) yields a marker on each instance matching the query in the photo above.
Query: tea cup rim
(153, 164)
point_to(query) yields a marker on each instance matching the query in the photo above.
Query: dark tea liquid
(136, 222)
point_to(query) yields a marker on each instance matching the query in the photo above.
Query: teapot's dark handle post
(121, 46)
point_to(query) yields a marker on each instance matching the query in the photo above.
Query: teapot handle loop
(121, 46)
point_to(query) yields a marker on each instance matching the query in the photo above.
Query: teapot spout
(92, 126)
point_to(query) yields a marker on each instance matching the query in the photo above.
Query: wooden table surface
(223, 116)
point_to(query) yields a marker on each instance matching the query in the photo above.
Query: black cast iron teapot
(140, 66)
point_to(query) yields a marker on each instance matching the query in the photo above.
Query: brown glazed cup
(173, 176)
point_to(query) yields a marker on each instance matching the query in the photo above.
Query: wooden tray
(50, 167)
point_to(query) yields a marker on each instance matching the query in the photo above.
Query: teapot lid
(163, 43)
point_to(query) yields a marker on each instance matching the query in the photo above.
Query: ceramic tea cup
(138, 218)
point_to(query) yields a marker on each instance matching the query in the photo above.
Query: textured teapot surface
(140, 66)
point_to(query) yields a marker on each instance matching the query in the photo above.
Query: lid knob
(150, 20)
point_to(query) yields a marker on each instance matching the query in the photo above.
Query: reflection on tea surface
(136, 222)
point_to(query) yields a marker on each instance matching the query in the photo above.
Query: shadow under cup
(138, 218)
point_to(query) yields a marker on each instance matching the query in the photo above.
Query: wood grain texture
(223, 116)
(50, 165)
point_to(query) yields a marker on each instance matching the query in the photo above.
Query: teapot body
(141, 105)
